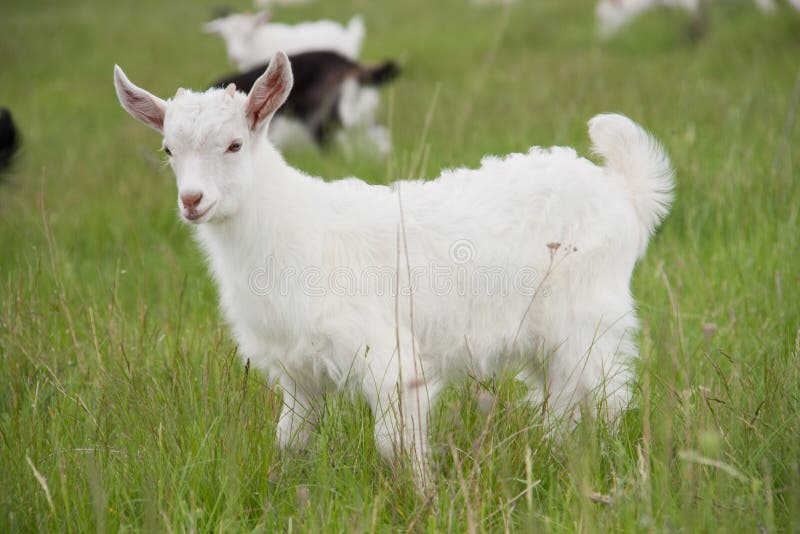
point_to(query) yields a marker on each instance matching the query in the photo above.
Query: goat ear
(139, 103)
(270, 91)
(262, 17)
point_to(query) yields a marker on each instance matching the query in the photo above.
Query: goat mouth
(195, 216)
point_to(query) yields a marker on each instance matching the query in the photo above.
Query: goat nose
(191, 199)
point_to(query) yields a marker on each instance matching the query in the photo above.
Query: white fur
(365, 140)
(568, 329)
(358, 109)
(251, 42)
(358, 106)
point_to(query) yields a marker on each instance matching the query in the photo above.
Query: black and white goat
(330, 91)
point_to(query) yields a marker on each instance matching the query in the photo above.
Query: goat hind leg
(590, 367)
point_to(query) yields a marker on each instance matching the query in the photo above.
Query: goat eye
(168, 151)
(234, 147)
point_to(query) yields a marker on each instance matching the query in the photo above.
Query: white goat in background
(284, 3)
(302, 264)
(251, 39)
(614, 14)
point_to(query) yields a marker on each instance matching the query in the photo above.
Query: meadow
(123, 403)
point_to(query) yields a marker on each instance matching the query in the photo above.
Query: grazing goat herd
(332, 91)
(563, 232)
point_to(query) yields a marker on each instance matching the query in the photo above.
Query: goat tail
(631, 151)
(379, 74)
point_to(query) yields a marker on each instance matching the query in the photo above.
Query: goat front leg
(298, 416)
(401, 397)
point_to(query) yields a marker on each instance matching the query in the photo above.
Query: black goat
(318, 79)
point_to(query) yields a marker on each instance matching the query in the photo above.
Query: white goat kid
(250, 39)
(299, 263)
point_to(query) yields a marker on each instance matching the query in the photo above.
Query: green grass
(123, 405)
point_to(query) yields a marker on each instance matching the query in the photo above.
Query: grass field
(123, 405)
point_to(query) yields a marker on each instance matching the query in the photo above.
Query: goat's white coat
(250, 41)
(567, 328)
